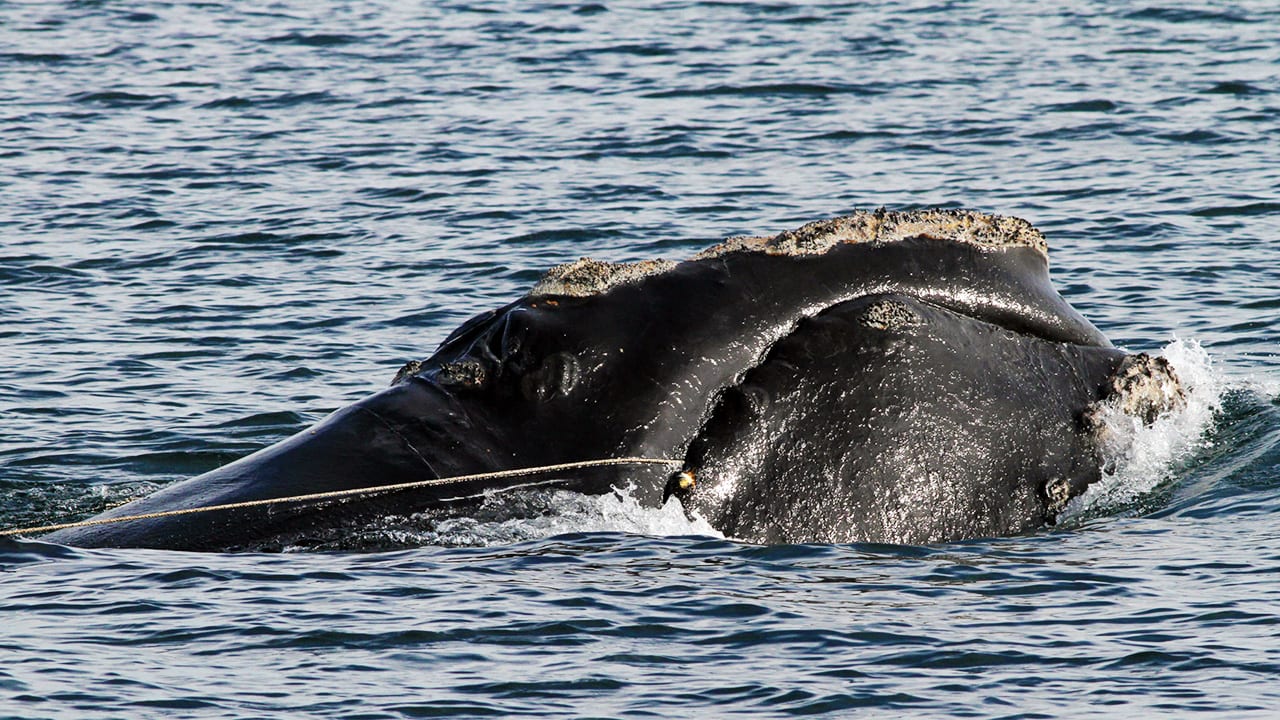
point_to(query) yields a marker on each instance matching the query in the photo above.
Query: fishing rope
(434, 482)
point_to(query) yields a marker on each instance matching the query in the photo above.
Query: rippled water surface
(223, 221)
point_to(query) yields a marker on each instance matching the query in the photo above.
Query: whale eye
(512, 341)
(506, 346)
(556, 375)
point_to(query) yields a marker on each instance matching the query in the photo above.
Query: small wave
(121, 99)
(1233, 87)
(1083, 106)
(283, 100)
(1181, 15)
(1257, 208)
(773, 90)
(234, 101)
(403, 194)
(1142, 457)
(314, 40)
(41, 58)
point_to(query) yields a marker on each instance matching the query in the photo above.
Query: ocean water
(222, 221)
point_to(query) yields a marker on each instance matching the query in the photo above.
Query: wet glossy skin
(888, 419)
(549, 379)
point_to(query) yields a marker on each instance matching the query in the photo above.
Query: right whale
(903, 377)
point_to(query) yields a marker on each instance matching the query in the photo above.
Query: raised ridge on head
(887, 226)
(586, 277)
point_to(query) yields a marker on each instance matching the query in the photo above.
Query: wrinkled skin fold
(971, 425)
(893, 377)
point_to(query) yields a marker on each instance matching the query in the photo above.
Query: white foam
(1139, 458)
(545, 513)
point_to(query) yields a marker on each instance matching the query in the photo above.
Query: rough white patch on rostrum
(1138, 458)
(587, 277)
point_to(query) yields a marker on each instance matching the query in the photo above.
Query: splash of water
(565, 512)
(1139, 458)
(520, 516)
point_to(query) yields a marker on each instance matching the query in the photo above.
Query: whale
(882, 376)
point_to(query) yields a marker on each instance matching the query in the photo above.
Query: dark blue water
(223, 221)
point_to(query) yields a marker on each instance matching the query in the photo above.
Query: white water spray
(1139, 458)
(523, 515)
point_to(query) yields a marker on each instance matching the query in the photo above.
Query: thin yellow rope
(434, 482)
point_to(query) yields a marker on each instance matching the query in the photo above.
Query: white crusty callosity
(586, 277)
(884, 226)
